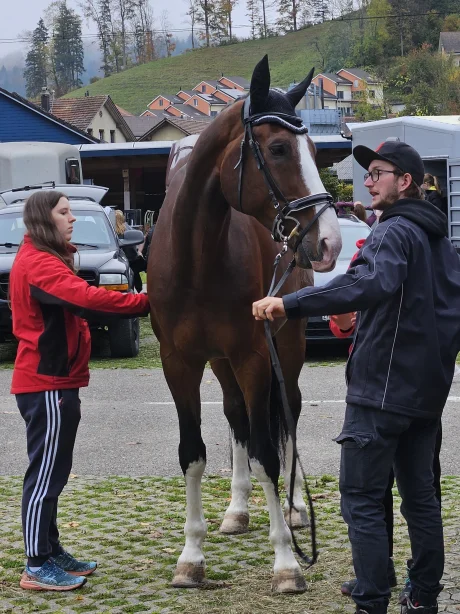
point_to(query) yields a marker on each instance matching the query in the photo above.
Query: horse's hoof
(298, 519)
(234, 523)
(188, 575)
(289, 581)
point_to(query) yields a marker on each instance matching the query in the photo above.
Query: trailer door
(453, 201)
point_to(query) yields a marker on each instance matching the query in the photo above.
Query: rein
(284, 209)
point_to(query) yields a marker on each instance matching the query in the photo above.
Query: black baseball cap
(400, 154)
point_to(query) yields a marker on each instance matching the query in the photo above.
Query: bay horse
(212, 256)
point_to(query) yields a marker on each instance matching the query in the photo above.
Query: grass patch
(291, 57)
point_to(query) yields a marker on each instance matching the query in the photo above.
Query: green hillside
(291, 57)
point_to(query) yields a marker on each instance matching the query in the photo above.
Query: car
(317, 330)
(100, 259)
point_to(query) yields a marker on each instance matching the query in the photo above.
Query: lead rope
(291, 427)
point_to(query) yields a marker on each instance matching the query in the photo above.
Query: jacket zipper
(75, 356)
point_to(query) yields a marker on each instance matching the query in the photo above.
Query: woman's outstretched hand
(268, 308)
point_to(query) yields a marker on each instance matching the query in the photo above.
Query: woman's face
(63, 218)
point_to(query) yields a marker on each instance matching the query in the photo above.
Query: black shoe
(349, 585)
(416, 608)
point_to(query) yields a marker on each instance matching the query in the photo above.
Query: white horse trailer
(437, 139)
(30, 163)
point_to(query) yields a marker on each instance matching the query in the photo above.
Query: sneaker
(50, 577)
(409, 606)
(71, 565)
(349, 585)
(406, 591)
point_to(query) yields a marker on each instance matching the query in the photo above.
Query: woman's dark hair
(41, 227)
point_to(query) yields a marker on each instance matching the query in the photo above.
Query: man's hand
(268, 308)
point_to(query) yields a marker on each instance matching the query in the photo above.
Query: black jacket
(405, 282)
(436, 199)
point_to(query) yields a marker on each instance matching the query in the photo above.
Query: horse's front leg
(184, 383)
(254, 377)
(236, 519)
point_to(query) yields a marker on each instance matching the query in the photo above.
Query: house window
(213, 113)
(203, 88)
(101, 135)
(90, 131)
(371, 93)
(340, 95)
(195, 102)
(160, 102)
(112, 136)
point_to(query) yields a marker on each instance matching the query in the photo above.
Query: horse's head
(270, 172)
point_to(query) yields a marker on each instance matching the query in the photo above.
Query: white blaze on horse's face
(329, 237)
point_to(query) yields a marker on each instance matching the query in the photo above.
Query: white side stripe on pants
(53, 424)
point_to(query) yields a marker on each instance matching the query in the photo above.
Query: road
(129, 425)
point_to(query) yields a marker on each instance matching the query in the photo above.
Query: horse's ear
(298, 92)
(260, 85)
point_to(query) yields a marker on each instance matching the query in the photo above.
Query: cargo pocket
(356, 462)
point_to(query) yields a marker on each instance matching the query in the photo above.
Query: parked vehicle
(100, 259)
(317, 329)
(28, 163)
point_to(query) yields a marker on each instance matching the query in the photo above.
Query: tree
(451, 23)
(36, 65)
(320, 9)
(427, 83)
(192, 11)
(67, 50)
(255, 16)
(371, 46)
(288, 11)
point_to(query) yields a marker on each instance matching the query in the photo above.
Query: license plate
(326, 318)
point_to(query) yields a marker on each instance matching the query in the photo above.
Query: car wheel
(124, 338)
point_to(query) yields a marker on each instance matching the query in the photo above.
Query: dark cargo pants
(373, 441)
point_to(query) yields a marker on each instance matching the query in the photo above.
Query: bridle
(283, 206)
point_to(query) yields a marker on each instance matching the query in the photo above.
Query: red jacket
(335, 330)
(49, 302)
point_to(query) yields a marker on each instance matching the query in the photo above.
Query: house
(96, 115)
(162, 102)
(338, 87)
(143, 124)
(21, 120)
(449, 44)
(363, 85)
(235, 83)
(173, 129)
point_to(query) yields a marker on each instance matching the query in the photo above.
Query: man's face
(389, 186)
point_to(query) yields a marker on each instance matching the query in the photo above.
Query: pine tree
(67, 50)
(320, 9)
(36, 64)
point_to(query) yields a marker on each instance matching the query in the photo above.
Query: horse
(211, 258)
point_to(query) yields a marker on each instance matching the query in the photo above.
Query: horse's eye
(278, 150)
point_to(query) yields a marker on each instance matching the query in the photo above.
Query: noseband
(283, 206)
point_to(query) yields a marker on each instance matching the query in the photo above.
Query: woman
(433, 193)
(48, 303)
(136, 261)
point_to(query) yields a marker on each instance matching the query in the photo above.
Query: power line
(202, 29)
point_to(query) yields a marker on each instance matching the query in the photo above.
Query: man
(405, 285)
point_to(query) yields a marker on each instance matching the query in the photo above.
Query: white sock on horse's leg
(190, 569)
(288, 577)
(236, 519)
(299, 515)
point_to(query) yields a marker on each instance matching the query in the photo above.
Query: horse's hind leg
(254, 377)
(184, 383)
(236, 519)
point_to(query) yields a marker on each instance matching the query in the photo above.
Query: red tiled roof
(124, 112)
(78, 111)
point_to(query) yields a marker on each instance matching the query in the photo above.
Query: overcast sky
(20, 15)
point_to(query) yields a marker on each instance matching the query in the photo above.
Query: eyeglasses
(375, 174)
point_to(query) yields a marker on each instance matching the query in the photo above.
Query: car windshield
(91, 231)
(351, 234)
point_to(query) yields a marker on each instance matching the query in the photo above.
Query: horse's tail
(278, 425)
